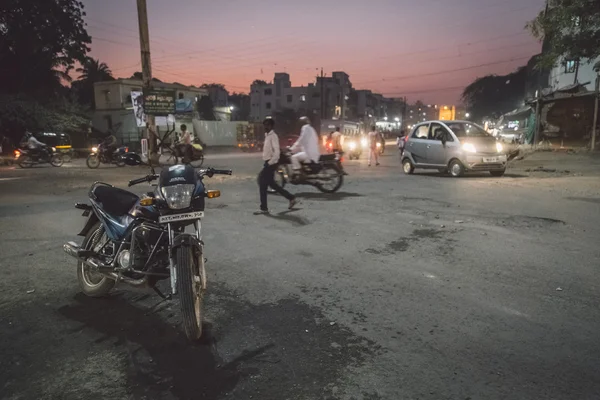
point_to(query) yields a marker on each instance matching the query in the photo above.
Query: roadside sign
(159, 102)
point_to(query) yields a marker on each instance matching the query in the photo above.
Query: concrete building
(337, 90)
(268, 98)
(114, 107)
(570, 72)
(218, 95)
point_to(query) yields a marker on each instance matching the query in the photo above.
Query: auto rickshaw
(60, 141)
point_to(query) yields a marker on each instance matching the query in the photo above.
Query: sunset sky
(426, 50)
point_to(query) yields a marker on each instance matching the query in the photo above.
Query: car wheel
(456, 168)
(497, 173)
(408, 167)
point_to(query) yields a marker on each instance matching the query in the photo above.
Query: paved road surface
(397, 287)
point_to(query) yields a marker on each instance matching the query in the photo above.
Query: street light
(467, 115)
(231, 108)
(385, 118)
(397, 119)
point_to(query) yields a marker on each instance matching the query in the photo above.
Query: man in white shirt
(373, 137)
(337, 138)
(306, 148)
(270, 156)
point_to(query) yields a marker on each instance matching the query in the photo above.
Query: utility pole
(147, 74)
(596, 101)
(403, 113)
(322, 96)
(343, 108)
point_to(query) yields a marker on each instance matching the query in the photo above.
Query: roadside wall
(216, 133)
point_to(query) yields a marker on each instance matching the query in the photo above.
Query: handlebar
(147, 178)
(211, 171)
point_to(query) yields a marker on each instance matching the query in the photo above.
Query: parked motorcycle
(27, 158)
(140, 241)
(102, 155)
(327, 175)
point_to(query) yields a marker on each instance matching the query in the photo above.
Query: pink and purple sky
(426, 50)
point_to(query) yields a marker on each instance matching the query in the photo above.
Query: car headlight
(54, 149)
(178, 196)
(499, 147)
(364, 142)
(469, 147)
(352, 145)
(94, 149)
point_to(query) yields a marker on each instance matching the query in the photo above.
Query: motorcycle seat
(327, 157)
(116, 202)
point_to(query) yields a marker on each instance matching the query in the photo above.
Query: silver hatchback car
(454, 147)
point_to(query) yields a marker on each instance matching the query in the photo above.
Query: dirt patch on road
(403, 244)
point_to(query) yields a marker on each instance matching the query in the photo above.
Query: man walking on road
(373, 137)
(266, 178)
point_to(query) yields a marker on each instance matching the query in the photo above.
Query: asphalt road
(397, 287)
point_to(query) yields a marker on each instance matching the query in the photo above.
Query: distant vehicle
(453, 147)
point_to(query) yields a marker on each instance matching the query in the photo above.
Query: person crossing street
(266, 178)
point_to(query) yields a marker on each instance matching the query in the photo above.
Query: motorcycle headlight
(94, 149)
(54, 149)
(469, 147)
(178, 196)
(499, 147)
(352, 145)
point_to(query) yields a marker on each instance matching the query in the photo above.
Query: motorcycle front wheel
(189, 286)
(56, 160)
(333, 182)
(93, 161)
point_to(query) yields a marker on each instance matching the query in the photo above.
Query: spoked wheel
(67, 157)
(93, 161)
(25, 162)
(92, 283)
(190, 286)
(170, 158)
(56, 160)
(198, 160)
(331, 179)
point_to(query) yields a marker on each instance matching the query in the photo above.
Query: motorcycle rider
(306, 148)
(109, 145)
(33, 144)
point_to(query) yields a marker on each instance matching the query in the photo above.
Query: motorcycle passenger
(185, 144)
(306, 148)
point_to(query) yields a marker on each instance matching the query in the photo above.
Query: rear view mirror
(132, 159)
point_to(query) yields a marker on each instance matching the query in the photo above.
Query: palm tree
(91, 71)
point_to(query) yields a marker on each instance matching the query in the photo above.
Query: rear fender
(93, 218)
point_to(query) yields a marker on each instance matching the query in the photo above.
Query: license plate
(490, 159)
(165, 219)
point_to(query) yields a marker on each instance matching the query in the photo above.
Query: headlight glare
(499, 147)
(94, 149)
(178, 196)
(352, 146)
(469, 147)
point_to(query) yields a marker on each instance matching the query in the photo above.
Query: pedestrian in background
(266, 178)
(373, 138)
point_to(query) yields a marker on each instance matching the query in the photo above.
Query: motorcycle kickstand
(161, 294)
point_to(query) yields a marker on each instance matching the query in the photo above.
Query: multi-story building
(570, 72)
(268, 98)
(218, 95)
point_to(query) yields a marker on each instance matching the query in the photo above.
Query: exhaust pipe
(76, 252)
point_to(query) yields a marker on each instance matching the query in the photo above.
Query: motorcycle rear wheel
(93, 284)
(93, 161)
(189, 287)
(333, 184)
(56, 160)
(120, 161)
(25, 162)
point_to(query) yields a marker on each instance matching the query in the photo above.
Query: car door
(436, 147)
(417, 144)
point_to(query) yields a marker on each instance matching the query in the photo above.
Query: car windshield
(467, 130)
